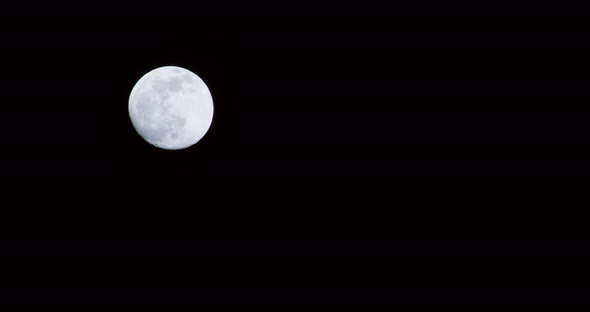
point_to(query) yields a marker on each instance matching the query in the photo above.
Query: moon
(171, 107)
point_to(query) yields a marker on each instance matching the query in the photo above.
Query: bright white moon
(171, 107)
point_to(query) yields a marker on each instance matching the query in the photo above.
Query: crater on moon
(171, 107)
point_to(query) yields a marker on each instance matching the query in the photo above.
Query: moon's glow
(171, 107)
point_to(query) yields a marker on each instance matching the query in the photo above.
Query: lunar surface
(171, 107)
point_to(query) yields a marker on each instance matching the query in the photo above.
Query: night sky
(355, 155)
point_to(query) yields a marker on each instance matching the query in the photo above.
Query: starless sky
(351, 148)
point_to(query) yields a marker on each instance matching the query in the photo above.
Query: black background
(357, 154)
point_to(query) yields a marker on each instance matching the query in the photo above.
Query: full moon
(171, 107)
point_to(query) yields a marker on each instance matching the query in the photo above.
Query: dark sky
(356, 154)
